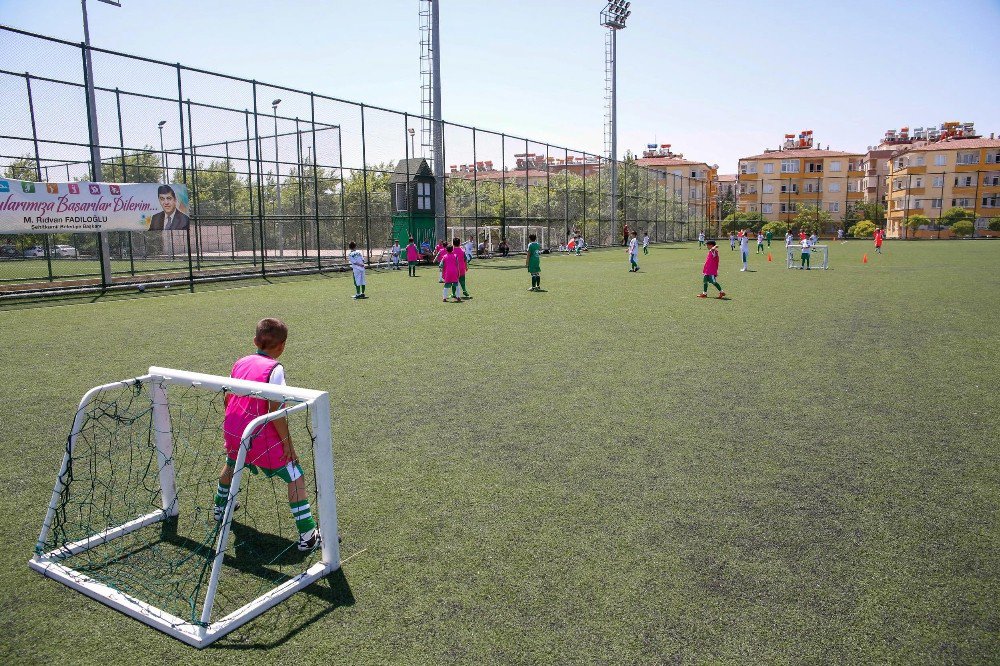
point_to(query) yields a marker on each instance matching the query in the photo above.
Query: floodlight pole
(438, 129)
(613, 18)
(163, 153)
(277, 176)
(95, 142)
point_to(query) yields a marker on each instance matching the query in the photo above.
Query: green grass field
(612, 471)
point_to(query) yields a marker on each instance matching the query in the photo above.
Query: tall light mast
(613, 17)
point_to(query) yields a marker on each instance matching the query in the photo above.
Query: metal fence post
(315, 179)
(364, 179)
(260, 183)
(184, 175)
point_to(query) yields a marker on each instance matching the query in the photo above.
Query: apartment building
(698, 191)
(777, 183)
(956, 170)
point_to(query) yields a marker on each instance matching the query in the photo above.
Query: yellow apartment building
(777, 183)
(931, 178)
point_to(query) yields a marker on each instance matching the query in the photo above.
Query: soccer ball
(142, 288)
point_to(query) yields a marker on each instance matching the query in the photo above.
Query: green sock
(357, 288)
(221, 494)
(302, 514)
(461, 281)
(454, 290)
(362, 289)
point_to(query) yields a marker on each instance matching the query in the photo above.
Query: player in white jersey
(788, 238)
(633, 252)
(645, 243)
(760, 242)
(701, 238)
(394, 255)
(806, 248)
(357, 261)
(470, 249)
(745, 249)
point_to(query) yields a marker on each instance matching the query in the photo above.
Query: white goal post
(315, 404)
(794, 256)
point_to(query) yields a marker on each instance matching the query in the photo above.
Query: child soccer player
(806, 245)
(470, 249)
(412, 258)
(760, 243)
(745, 249)
(579, 244)
(533, 262)
(701, 238)
(394, 254)
(878, 241)
(770, 235)
(711, 271)
(463, 267)
(449, 273)
(788, 238)
(357, 261)
(633, 253)
(271, 450)
(732, 241)
(645, 242)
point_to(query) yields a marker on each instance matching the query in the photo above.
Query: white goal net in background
(819, 256)
(131, 521)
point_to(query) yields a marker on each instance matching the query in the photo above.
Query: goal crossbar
(203, 633)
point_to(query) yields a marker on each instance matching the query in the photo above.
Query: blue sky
(716, 79)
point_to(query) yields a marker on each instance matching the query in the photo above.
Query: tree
(863, 229)
(994, 224)
(914, 222)
(23, 168)
(812, 219)
(740, 220)
(963, 228)
(142, 166)
(867, 210)
(777, 229)
(956, 214)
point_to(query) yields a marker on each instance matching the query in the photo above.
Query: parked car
(64, 251)
(36, 251)
(9, 252)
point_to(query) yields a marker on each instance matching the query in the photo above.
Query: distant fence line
(283, 188)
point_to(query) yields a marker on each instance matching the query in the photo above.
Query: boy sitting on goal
(271, 449)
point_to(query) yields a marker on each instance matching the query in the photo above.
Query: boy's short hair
(531, 237)
(270, 333)
(710, 242)
(411, 239)
(457, 242)
(352, 245)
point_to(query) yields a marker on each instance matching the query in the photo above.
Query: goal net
(819, 256)
(132, 519)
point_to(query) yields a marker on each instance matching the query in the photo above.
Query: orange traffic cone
(769, 256)
(864, 259)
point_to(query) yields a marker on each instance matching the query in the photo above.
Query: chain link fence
(281, 180)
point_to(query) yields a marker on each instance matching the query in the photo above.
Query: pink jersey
(449, 268)
(878, 238)
(266, 448)
(460, 255)
(439, 254)
(411, 253)
(712, 263)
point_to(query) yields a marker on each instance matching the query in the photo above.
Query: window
(748, 167)
(401, 198)
(834, 187)
(935, 203)
(991, 180)
(423, 196)
(961, 202)
(694, 174)
(993, 158)
(900, 163)
(834, 207)
(835, 166)
(918, 181)
(789, 166)
(767, 208)
(768, 168)
(793, 188)
(852, 186)
(968, 158)
(963, 181)
(753, 208)
(991, 201)
(938, 181)
(851, 166)
(788, 207)
(814, 187)
(694, 193)
(916, 204)
(918, 160)
(940, 160)
(768, 188)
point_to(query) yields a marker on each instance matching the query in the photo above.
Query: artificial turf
(609, 471)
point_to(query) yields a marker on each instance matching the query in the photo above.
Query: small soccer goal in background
(131, 521)
(793, 257)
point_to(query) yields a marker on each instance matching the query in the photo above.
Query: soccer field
(609, 471)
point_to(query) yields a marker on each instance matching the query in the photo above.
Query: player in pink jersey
(463, 267)
(449, 273)
(438, 256)
(412, 258)
(271, 447)
(711, 271)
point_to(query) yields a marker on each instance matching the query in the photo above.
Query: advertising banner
(38, 208)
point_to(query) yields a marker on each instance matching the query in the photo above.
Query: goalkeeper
(271, 449)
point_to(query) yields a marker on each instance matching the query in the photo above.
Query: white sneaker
(219, 511)
(309, 540)
(742, 270)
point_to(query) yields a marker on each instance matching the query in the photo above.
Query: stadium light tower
(95, 142)
(613, 17)
(163, 153)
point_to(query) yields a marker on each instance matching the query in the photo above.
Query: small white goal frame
(792, 262)
(204, 633)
